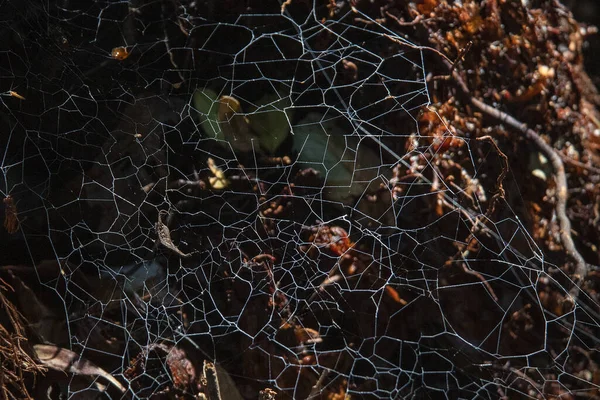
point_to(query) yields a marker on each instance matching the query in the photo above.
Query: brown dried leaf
(68, 361)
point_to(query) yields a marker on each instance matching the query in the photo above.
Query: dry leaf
(218, 181)
(68, 361)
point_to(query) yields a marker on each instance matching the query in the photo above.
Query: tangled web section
(266, 200)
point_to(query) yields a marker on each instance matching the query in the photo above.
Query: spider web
(329, 232)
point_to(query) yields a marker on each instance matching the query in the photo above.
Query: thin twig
(377, 21)
(461, 56)
(579, 164)
(500, 193)
(505, 167)
(416, 47)
(527, 379)
(316, 389)
(285, 4)
(414, 22)
(467, 270)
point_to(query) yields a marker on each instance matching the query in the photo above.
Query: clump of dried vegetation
(17, 365)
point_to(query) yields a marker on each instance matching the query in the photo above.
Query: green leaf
(347, 165)
(270, 122)
(222, 118)
(206, 103)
